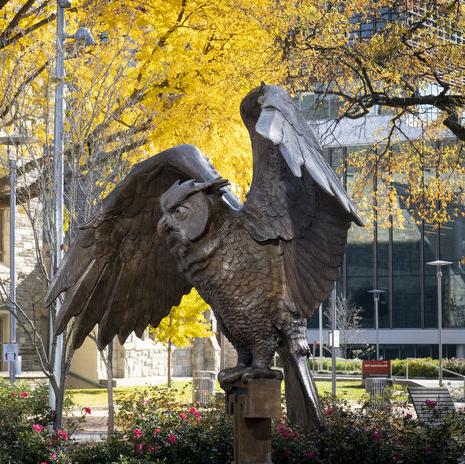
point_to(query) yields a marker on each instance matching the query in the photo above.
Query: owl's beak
(163, 227)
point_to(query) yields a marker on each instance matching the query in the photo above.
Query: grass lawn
(348, 390)
(97, 397)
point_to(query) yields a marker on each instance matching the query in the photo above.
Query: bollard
(253, 403)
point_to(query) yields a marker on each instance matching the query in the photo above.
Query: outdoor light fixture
(104, 37)
(439, 264)
(82, 35)
(376, 295)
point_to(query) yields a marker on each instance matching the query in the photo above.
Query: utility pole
(84, 36)
(438, 264)
(56, 343)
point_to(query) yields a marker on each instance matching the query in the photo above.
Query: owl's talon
(226, 377)
(256, 373)
(300, 346)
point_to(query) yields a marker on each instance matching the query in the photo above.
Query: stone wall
(228, 353)
(139, 358)
(30, 284)
(144, 358)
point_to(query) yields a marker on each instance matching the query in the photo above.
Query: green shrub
(343, 366)
(158, 430)
(370, 437)
(111, 450)
(161, 429)
(455, 365)
(180, 434)
(24, 416)
(420, 368)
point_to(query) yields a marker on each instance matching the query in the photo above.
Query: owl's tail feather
(303, 405)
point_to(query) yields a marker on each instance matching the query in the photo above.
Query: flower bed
(155, 428)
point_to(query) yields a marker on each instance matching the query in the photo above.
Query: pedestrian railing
(461, 376)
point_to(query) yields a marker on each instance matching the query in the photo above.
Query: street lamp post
(15, 141)
(83, 36)
(321, 342)
(439, 264)
(376, 294)
(333, 347)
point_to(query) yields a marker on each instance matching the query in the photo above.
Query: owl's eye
(180, 213)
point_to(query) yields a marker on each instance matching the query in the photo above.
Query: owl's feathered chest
(230, 269)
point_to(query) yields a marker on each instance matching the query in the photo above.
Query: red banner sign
(376, 368)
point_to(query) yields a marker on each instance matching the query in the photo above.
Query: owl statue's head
(186, 211)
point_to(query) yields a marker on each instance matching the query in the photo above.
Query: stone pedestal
(253, 403)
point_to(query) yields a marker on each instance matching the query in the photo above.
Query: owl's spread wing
(118, 273)
(295, 197)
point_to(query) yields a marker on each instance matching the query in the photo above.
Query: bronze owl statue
(262, 266)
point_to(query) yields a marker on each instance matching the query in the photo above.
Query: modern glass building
(393, 258)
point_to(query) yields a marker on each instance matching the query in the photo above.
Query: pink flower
(37, 428)
(53, 456)
(62, 434)
(377, 436)
(24, 394)
(195, 412)
(286, 453)
(157, 430)
(310, 454)
(197, 419)
(146, 402)
(172, 439)
(44, 462)
(431, 403)
(138, 448)
(397, 457)
(183, 415)
(285, 434)
(87, 410)
(329, 411)
(137, 433)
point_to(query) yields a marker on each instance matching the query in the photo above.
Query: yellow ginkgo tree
(184, 323)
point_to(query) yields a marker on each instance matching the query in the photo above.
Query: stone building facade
(30, 285)
(137, 361)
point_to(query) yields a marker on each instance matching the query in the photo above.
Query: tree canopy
(405, 60)
(161, 73)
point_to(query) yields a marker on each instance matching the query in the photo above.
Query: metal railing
(436, 367)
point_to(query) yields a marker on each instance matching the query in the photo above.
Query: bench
(431, 404)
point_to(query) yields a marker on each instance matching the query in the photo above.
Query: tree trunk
(169, 364)
(59, 395)
(111, 406)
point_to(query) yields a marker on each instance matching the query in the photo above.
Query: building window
(318, 107)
